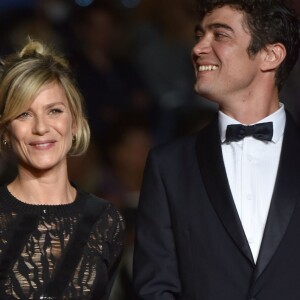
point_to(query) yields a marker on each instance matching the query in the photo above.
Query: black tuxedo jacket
(190, 243)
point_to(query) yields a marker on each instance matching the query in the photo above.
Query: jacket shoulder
(185, 145)
(174, 148)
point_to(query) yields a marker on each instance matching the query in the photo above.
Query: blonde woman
(56, 241)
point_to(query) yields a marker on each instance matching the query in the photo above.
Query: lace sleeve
(115, 236)
(107, 237)
(113, 239)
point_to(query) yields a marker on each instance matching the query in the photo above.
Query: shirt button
(249, 197)
(249, 157)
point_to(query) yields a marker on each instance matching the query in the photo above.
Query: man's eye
(220, 35)
(198, 36)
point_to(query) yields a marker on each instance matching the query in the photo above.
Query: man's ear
(273, 56)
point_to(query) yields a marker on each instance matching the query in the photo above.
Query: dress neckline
(16, 204)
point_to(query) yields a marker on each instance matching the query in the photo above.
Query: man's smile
(202, 68)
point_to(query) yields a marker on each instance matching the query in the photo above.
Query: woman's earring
(5, 143)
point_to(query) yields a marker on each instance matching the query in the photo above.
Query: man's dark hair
(269, 22)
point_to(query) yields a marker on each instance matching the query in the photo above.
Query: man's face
(224, 70)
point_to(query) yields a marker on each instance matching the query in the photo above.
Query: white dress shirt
(251, 166)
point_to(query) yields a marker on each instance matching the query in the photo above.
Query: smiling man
(219, 214)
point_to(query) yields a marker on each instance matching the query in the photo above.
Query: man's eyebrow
(220, 25)
(198, 27)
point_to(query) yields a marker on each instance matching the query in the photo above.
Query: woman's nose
(41, 125)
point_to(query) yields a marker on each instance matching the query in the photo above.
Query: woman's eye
(23, 115)
(55, 111)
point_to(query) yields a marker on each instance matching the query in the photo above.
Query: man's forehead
(226, 15)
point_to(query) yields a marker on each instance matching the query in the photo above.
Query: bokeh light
(84, 2)
(130, 3)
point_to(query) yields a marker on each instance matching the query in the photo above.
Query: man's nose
(203, 46)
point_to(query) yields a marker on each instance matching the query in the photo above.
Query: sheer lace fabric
(43, 248)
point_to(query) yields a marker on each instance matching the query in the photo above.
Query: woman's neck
(43, 190)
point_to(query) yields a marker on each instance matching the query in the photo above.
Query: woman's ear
(74, 131)
(74, 128)
(274, 54)
(5, 135)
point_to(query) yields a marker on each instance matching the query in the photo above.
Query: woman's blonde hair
(22, 76)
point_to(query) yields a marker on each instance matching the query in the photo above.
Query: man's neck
(252, 109)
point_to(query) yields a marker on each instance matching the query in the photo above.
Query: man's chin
(205, 93)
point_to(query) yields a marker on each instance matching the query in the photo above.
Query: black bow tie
(260, 131)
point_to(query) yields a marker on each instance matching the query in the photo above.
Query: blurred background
(131, 59)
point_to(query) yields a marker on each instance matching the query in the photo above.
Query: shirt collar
(278, 118)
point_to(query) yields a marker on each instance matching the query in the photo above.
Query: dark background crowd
(131, 60)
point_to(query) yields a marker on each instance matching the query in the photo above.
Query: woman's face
(41, 136)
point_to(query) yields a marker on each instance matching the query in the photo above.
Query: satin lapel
(213, 172)
(285, 195)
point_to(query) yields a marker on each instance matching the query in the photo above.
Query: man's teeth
(207, 68)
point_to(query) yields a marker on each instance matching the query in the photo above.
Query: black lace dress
(58, 251)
